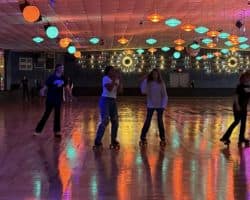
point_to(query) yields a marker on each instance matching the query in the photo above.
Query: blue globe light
(94, 40)
(52, 32)
(151, 41)
(224, 35)
(71, 49)
(195, 46)
(224, 51)
(244, 46)
(172, 22)
(165, 49)
(207, 40)
(177, 54)
(201, 29)
(37, 39)
(140, 51)
(229, 43)
(242, 39)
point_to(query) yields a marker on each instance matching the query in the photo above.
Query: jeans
(49, 107)
(239, 116)
(108, 111)
(147, 123)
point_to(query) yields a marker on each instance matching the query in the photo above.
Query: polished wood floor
(193, 166)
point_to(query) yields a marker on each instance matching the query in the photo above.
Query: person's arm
(143, 86)
(164, 96)
(43, 90)
(110, 86)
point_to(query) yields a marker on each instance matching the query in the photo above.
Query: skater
(239, 110)
(25, 87)
(54, 85)
(154, 87)
(111, 83)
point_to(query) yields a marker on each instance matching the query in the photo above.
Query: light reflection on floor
(194, 165)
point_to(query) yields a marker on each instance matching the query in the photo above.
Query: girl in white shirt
(154, 87)
(108, 108)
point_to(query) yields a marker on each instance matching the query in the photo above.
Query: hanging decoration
(179, 41)
(123, 40)
(213, 33)
(64, 42)
(155, 18)
(188, 27)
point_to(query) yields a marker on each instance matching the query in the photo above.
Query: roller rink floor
(194, 165)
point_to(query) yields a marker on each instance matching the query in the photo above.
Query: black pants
(26, 94)
(49, 107)
(148, 122)
(239, 116)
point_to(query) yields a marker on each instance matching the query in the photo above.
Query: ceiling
(112, 19)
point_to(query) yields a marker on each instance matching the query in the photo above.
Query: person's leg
(46, 114)
(104, 110)
(237, 118)
(243, 126)
(57, 119)
(114, 120)
(147, 122)
(160, 123)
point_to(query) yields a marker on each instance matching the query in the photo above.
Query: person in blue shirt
(54, 86)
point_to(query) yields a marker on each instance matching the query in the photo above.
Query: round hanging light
(213, 33)
(179, 48)
(177, 54)
(188, 27)
(211, 45)
(77, 54)
(233, 38)
(123, 40)
(31, 13)
(155, 18)
(71, 49)
(172, 22)
(234, 49)
(37, 39)
(52, 32)
(152, 50)
(64, 42)
(217, 54)
(179, 41)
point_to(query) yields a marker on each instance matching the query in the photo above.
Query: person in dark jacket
(239, 110)
(54, 86)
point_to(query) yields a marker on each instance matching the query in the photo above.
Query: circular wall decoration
(127, 62)
(232, 62)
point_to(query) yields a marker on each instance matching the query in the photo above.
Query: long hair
(150, 76)
(244, 77)
(107, 69)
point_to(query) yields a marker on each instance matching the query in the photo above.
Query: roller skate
(115, 145)
(163, 143)
(225, 141)
(97, 146)
(245, 141)
(143, 143)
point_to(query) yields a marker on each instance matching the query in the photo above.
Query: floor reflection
(193, 165)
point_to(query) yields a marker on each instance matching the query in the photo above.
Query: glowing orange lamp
(211, 45)
(213, 33)
(179, 41)
(188, 27)
(155, 18)
(152, 50)
(123, 40)
(64, 42)
(179, 48)
(77, 54)
(31, 13)
(233, 38)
